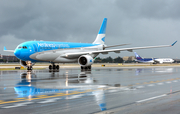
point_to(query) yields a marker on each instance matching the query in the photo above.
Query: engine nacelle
(26, 63)
(23, 63)
(85, 60)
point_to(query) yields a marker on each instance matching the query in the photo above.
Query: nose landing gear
(29, 66)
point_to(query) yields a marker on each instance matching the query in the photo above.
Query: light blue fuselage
(26, 49)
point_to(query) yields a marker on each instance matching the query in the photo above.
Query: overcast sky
(136, 22)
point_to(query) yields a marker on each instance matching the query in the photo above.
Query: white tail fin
(100, 38)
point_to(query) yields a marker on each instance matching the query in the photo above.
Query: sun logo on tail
(103, 39)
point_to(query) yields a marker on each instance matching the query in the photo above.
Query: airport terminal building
(8, 58)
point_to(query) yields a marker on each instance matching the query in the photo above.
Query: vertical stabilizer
(137, 56)
(100, 38)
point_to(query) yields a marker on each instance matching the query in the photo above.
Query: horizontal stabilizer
(5, 48)
(8, 50)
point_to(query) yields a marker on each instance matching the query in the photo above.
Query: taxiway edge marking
(144, 100)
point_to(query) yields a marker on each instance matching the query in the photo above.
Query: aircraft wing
(115, 45)
(8, 50)
(69, 55)
(156, 61)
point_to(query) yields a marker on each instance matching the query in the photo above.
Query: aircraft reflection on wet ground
(70, 90)
(31, 86)
(155, 70)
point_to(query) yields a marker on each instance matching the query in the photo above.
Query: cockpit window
(19, 47)
(24, 47)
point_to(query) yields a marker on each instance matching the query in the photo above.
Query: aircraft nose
(17, 53)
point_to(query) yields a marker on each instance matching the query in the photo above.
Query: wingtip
(173, 43)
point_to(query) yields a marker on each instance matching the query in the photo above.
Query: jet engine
(85, 60)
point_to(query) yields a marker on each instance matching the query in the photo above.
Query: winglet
(5, 48)
(173, 43)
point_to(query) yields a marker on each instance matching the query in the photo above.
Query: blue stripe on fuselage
(145, 59)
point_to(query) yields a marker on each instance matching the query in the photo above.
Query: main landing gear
(86, 68)
(54, 68)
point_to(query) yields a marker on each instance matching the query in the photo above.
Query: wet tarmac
(101, 90)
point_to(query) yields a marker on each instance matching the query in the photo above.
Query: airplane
(153, 60)
(31, 52)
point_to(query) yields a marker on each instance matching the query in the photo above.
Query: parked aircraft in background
(65, 52)
(153, 60)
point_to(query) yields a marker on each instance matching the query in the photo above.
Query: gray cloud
(140, 22)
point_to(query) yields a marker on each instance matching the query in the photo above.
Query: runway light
(66, 80)
(66, 92)
(29, 97)
(66, 83)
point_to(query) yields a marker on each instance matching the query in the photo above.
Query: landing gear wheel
(54, 68)
(57, 67)
(29, 68)
(89, 67)
(50, 67)
(86, 68)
